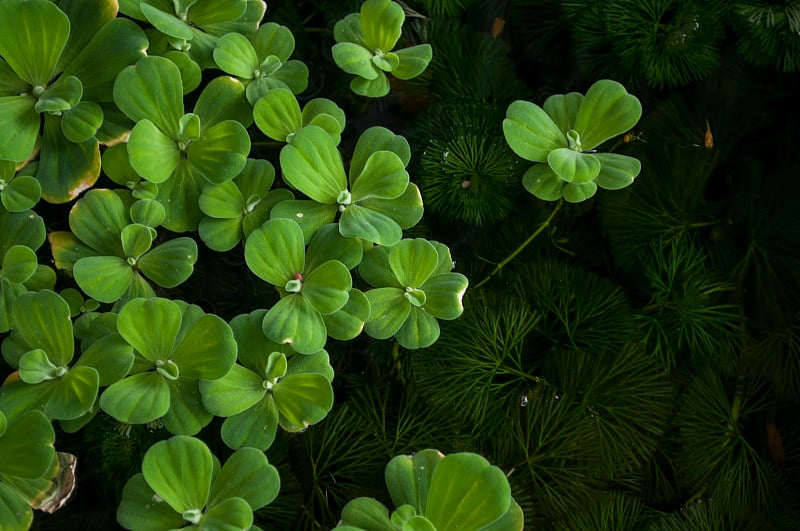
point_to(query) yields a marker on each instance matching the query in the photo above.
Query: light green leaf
(444, 293)
(235, 55)
(383, 177)
(276, 251)
(355, 59)
(19, 125)
(136, 240)
(386, 62)
(359, 221)
(420, 330)
(216, 11)
(365, 514)
(148, 212)
(390, 309)
(15, 512)
(413, 61)
(180, 195)
(137, 399)
(186, 414)
(247, 475)
(408, 478)
(381, 24)
(273, 39)
(111, 356)
(223, 99)
(82, 121)
(221, 151)
(255, 427)
(42, 319)
(312, 164)
(150, 326)
(235, 392)
(616, 171)
(563, 109)
(348, 29)
(277, 114)
(34, 367)
(33, 44)
(21, 194)
(61, 96)
(466, 491)
(140, 508)
(166, 23)
(223, 200)
(19, 264)
(292, 74)
(179, 470)
(207, 350)
(170, 263)
(233, 513)
(607, 111)
(323, 106)
(74, 394)
(326, 287)
(575, 193)
(329, 244)
(302, 400)
(412, 261)
(152, 89)
(292, 320)
(348, 322)
(573, 166)
(540, 180)
(191, 75)
(309, 215)
(103, 278)
(153, 154)
(371, 88)
(220, 234)
(58, 153)
(530, 132)
(375, 268)
(27, 446)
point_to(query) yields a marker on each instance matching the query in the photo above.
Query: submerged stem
(543, 225)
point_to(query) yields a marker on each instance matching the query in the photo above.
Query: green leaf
(616, 171)
(309, 215)
(27, 446)
(444, 293)
(136, 240)
(15, 512)
(466, 491)
(247, 475)
(111, 356)
(42, 319)
(223, 200)
(103, 278)
(186, 414)
(33, 44)
(530, 132)
(141, 508)
(191, 75)
(220, 234)
(34, 367)
(216, 11)
(180, 195)
(572, 166)
(235, 55)
(312, 164)
(355, 59)
(323, 106)
(292, 74)
(232, 394)
(348, 29)
(221, 151)
(359, 221)
(326, 287)
(390, 309)
(277, 114)
(575, 193)
(223, 99)
(151, 89)
(19, 127)
(150, 326)
(607, 111)
(413, 61)
(81, 122)
(57, 153)
(329, 244)
(21, 228)
(153, 154)
(371, 88)
(233, 513)
(375, 268)
(292, 320)
(255, 427)
(166, 23)
(117, 44)
(276, 251)
(21, 194)
(148, 212)
(381, 24)
(19, 264)
(563, 109)
(348, 322)
(420, 330)
(179, 470)
(207, 350)
(386, 62)
(514, 519)
(302, 400)
(366, 514)
(137, 399)
(61, 96)
(74, 394)
(540, 180)
(412, 261)
(170, 263)
(274, 39)
(383, 177)
(408, 478)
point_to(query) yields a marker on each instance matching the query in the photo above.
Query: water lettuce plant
(277, 113)
(434, 492)
(562, 136)
(364, 47)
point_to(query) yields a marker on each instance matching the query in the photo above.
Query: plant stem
(543, 225)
